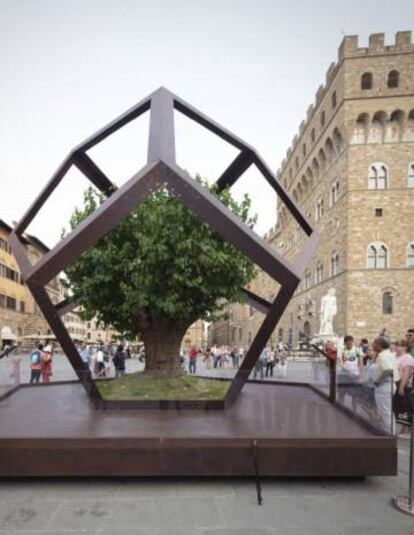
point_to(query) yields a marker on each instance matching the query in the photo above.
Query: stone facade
(351, 169)
(21, 320)
(195, 336)
(20, 317)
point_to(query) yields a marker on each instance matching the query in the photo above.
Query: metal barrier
(405, 504)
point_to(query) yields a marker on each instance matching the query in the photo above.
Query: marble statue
(327, 312)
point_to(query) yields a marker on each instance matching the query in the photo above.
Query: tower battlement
(349, 47)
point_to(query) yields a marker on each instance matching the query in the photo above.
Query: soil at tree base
(143, 386)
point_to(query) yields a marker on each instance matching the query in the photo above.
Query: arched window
(304, 149)
(297, 233)
(315, 167)
(377, 127)
(280, 334)
(361, 129)
(333, 100)
(313, 135)
(319, 273)
(366, 80)
(335, 192)
(297, 163)
(410, 255)
(377, 257)
(330, 149)
(408, 134)
(322, 159)
(393, 78)
(377, 176)
(410, 175)
(334, 264)
(387, 303)
(323, 119)
(338, 141)
(307, 279)
(394, 127)
(320, 209)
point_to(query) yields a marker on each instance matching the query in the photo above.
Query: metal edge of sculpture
(161, 168)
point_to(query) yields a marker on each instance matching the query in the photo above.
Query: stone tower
(351, 168)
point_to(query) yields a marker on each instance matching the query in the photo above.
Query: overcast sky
(69, 67)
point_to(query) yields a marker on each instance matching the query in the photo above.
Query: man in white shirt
(385, 374)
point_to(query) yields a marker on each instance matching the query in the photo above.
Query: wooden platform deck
(54, 431)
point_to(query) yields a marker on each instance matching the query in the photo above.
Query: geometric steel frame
(161, 168)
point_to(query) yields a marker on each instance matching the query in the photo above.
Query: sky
(68, 67)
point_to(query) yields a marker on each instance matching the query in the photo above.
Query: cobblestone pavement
(201, 506)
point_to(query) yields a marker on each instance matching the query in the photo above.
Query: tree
(158, 271)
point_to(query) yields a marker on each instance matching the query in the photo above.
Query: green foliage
(161, 261)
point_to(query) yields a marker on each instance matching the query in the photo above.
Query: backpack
(35, 357)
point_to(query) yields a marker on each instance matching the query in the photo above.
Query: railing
(7, 351)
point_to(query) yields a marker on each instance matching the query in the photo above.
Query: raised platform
(55, 431)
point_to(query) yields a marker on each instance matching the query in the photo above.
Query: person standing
(224, 350)
(270, 362)
(260, 364)
(192, 366)
(99, 362)
(207, 358)
(84, 354)
(107, 361)
(216, 356)
(119, 361)
(351, 365)
(46, 361)
(410, 339)
(385, 375)
(364, 347)
(401, 401)
(36, 364)
(234, 354)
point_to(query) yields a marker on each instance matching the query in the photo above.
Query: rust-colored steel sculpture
(161, 168)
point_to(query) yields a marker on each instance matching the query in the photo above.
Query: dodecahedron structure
(161, 168)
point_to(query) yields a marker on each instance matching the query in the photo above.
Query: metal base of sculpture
(287, 437)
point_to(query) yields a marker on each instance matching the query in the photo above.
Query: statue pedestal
(322, 338)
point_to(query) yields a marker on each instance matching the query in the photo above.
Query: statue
(327, 313)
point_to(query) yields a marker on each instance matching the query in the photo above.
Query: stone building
(195, 335)
(20, 317)
(351, 169)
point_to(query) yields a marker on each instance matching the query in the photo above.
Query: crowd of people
(213, 357)
(221, 357)
(99, 359)
(380, 375)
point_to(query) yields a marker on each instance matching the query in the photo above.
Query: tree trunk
(162, 342)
